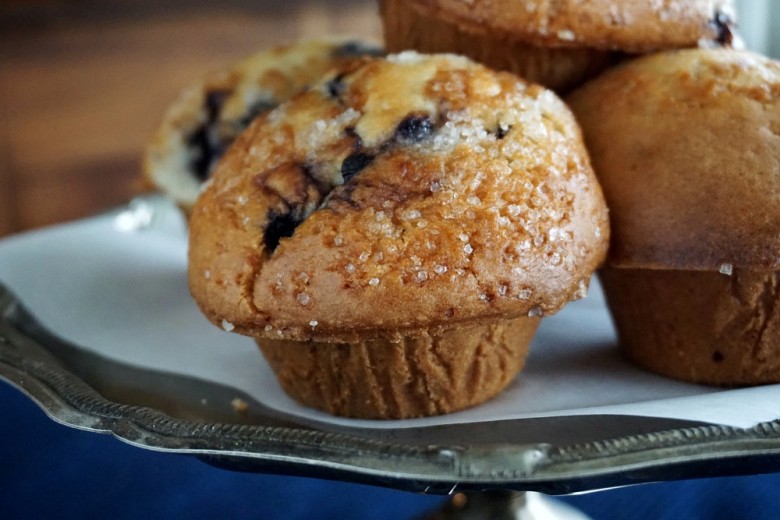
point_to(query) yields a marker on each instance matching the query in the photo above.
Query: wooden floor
(83, 84)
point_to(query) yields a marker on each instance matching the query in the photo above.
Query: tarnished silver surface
(553, 455)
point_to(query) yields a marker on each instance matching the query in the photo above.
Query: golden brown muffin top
(208, 115)
(399, 195)
(632, 26)
(686, 145)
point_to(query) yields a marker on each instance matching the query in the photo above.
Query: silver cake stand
(499, 469)
(496, 469)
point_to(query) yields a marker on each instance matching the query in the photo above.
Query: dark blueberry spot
(501, 131)
(717, 357)
(214, 101)
(259, 107)
(354, 163)
(725, 27)
(201, 160)
(357, 49)
(280, 225)
(205, 143)
(352, 133)
(336, 86)
(414, 128)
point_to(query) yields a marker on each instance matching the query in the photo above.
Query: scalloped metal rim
(664, 455)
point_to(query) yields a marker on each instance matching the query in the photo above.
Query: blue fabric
(51, 471)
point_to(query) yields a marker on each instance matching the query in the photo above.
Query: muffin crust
(561, 43)
(693, 181)
(398, 197)
(631, 26)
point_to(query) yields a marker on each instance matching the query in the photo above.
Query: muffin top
(398, 196)
(200, 125)
(632, 26)
(686, 145)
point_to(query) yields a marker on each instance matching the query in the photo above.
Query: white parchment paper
(122, 292)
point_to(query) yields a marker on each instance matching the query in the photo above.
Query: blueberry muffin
(558, 44)
(206, 118)
(686, 147)
(393, 236)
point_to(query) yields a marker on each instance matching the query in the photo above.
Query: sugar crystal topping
(481, 178)
(566, 35)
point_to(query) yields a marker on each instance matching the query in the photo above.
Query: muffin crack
(298, 192)
(303, 189)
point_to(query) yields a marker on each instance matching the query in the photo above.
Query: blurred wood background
(83, 84)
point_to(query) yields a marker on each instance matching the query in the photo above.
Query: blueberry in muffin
(202, 123)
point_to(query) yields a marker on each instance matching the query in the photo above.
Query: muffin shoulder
(403, 194)
(634, 26)
(687, 150)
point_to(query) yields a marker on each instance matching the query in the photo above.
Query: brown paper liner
(696, 326)
(414, 377)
